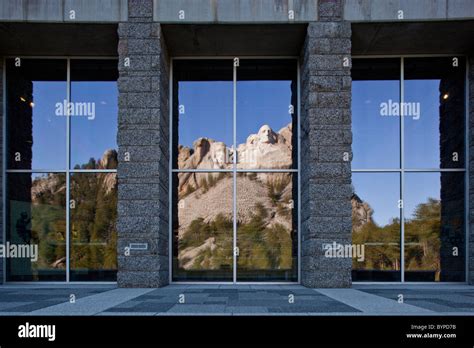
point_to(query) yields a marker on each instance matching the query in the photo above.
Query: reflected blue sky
(92, 137)
(49, 130)
(376, 145)
(209, 109)
(418, 187)
(376, 138)
(382, 192)
(422, 135)
(89, 138)
(209, 113)
(262, 102)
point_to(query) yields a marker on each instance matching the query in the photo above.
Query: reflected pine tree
(422, 241)
(93, 219)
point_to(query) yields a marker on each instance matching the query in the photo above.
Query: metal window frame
(403, 170)
(67, 171)
(234, 169)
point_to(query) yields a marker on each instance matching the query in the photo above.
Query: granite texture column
(326, 138)
(143, 139)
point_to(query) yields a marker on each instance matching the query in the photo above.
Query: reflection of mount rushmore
(264, 150)
(264, 201)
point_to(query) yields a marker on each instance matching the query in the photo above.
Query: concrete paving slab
(196, 309)
(246, 309)
(7, 306)
(170, 314)
(370, 303)
(121, 314)
(237, 300)
(94, 304)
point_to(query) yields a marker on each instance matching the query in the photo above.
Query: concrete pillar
(143, 149)
(326, 138)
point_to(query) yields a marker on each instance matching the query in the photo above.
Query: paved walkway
(436, 299)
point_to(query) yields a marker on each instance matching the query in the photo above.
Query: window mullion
(234, 174)
(402, 173)
(68, 179)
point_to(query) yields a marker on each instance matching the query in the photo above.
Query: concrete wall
(234, 11)
(143, 134)
(60, 10)
(326, 214)
(421, 10)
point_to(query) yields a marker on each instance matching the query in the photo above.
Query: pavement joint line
(369, 303)
(91, 305)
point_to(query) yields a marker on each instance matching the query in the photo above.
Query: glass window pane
(376, 226)
(375, 128)
(434, 108)
(267, 235)
(202, 114)
(93, 233)
(36, 122)
(266, 114)
(434, 227)
(36, 216)
(94, 114)
(203, 226)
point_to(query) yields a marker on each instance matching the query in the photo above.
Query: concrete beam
(67, 39)
(446, 37)
(12, 10)
(419, 10)
(194, 11)
(234, 11)
(234, 39)
(48, 10)
(57, 11)
(460, 9)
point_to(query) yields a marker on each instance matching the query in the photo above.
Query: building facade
(320, 142)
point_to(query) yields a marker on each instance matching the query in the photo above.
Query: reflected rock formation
(263, 150)
(50, 191)
(264, 202)
(361, 213)
(266, 150)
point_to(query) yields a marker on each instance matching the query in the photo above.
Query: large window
(61, 161)
(235, 174)
(408, 205)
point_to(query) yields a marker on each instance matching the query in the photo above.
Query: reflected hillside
(93, 209)
(382, 243)
(264, 203)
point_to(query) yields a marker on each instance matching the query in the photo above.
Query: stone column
(326, 214)
(143, 139)
(471, 172)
